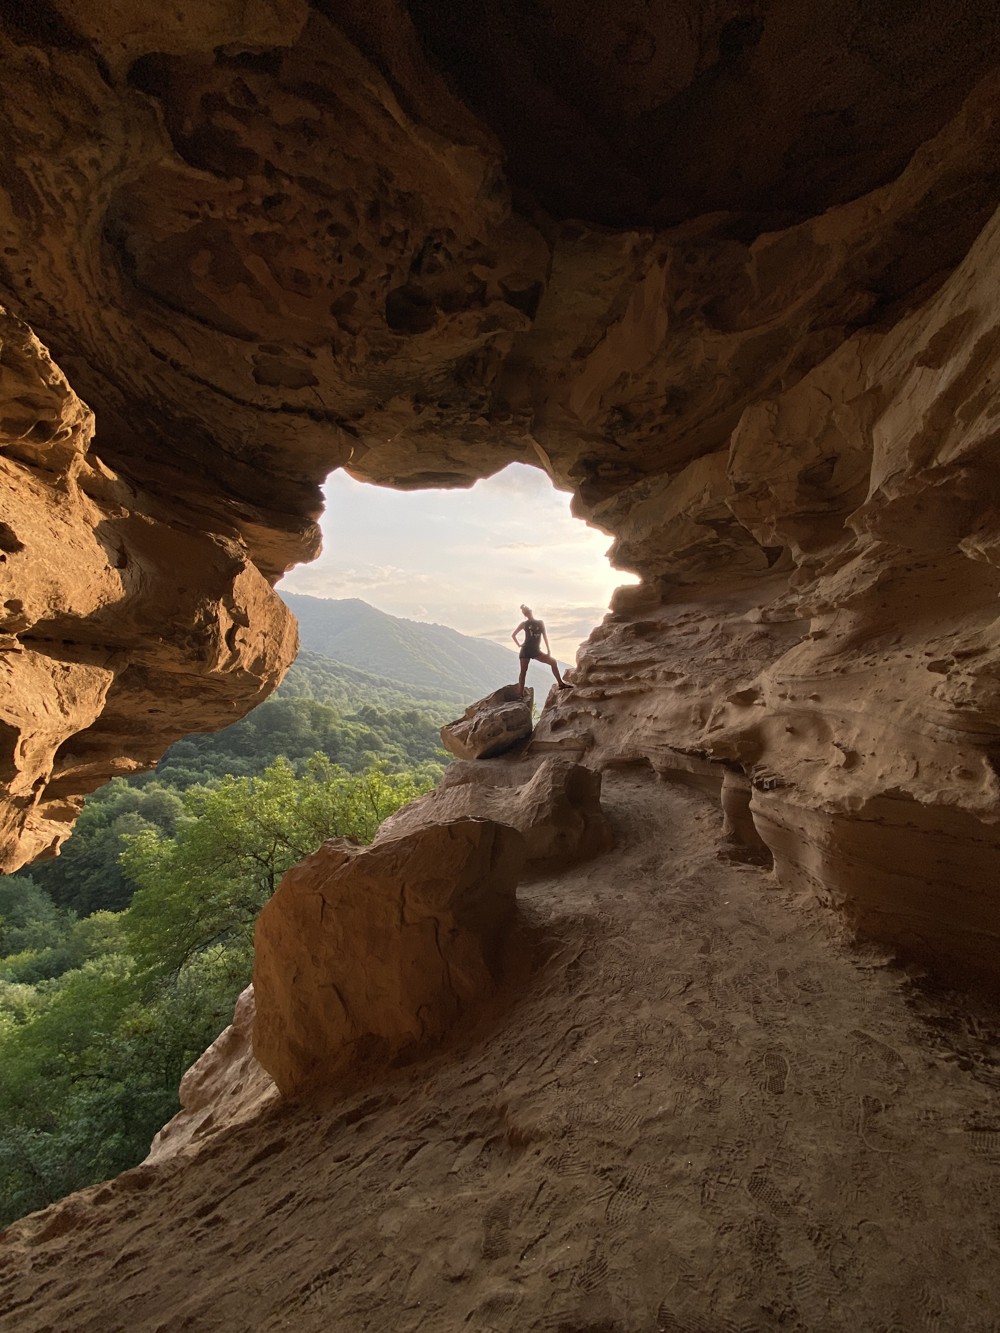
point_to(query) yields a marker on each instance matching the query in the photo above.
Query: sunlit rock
(122, 626)
(852, 678)
(366, 955)
(225, 1086)
(555, 804)
(738, 296)
(491, 726)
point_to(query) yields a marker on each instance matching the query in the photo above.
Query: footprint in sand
(496, 1225)
(870, 1048)
(631, 1196)
(669, 1321)
(986, 1141)
(763, 1191)
(775, 1072)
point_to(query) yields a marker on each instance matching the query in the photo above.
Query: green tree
(207, 884)
(120, 1003)
(87, 875)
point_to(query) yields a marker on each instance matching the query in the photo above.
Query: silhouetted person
(534, 633)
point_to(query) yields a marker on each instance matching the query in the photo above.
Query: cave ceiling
(268, 240)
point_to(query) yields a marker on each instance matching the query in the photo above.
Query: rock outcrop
(554, 804)
(727, 276)
(225, 1086)
(366, 955)
(854, 683)
(491, 726)
(122, 626)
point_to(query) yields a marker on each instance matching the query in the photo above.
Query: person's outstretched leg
(551, 661)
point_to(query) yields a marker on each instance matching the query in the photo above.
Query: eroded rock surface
(122, 627)
(554, 804)
(225, 1086)
(700, 1080)
(492, 725)
(855, 682)
(368, 954)
(727, 276)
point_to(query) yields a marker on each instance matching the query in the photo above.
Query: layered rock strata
(855, 683)
(367, 955)
(122, 627)
(716, 271)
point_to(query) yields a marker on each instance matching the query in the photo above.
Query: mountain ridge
(415, 653)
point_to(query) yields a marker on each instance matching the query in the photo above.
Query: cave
(727, 274)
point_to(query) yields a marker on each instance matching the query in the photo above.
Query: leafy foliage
(100, 1015)
(121, 959)
(354, 718)
(87, 875)
(207, 884)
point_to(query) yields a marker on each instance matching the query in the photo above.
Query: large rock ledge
(554, 803)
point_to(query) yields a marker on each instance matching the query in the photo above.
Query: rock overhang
(267, 241)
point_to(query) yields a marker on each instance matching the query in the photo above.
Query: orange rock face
(490, 726)
(119, 622)
(225, 1086)
(728, 277)
(366, 955)
(855, 682)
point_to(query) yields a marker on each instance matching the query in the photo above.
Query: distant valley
(452, 666)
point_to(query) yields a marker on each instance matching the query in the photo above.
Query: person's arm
(545, 636)
(517, 632)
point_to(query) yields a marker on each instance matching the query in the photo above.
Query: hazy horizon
(465, 559)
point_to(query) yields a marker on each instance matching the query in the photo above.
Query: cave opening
(466, 559)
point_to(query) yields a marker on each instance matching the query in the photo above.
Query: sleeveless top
(532, 635)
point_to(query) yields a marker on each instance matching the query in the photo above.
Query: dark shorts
(527, 653)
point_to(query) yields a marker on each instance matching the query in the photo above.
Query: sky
(465, 558)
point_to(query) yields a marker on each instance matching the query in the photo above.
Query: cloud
(383, 576)
(467, 559)
(349, 582)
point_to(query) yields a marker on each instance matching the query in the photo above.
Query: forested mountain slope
(408, 651)
(314, 675)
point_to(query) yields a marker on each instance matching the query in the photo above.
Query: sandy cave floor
(708, 1113)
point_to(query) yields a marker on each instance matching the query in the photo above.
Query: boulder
(490, 726)
(223, 1087)
(555, 804)
(365, 955)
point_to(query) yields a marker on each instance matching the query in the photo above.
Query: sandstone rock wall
(727, 276)
(123, 628)
(855, 681)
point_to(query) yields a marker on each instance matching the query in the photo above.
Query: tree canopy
(100, 1014)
